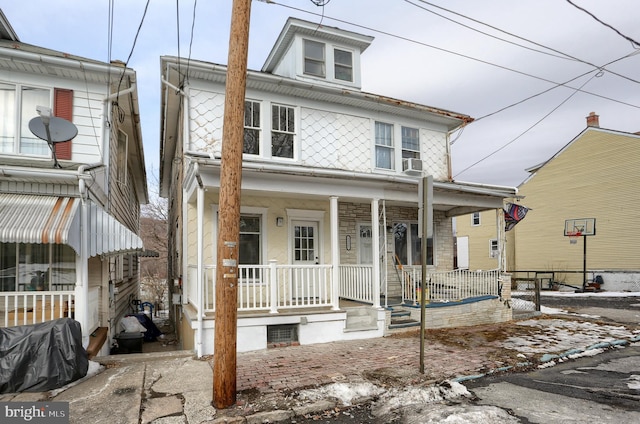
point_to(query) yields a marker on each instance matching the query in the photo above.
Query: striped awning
(56, 220)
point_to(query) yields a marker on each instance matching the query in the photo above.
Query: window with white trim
(17, 107)
(343, 65)
(493, 248)
(314, 58)
(384, 146)
(251, 144)
(250, 240)
(282, 131)
(475, 219)
(410, 143)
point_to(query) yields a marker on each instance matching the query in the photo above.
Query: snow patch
(634, 382)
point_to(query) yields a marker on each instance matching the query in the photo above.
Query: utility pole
(224, 365)
(426, 197)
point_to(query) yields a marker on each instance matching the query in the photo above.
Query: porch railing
(23, 308)
(449, 286)
(356, 282)
(268, 287)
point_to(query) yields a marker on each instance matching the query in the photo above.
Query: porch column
(335, 253)
(200, 268)
(502, 240)
(375, 248)
(82, 282)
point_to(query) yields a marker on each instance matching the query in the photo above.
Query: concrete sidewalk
(175, 387)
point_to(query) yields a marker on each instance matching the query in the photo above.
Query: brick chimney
(593, 120)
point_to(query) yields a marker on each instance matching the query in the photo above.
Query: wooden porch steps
(96, 340)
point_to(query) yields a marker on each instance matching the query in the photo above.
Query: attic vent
(412, 166)
(282, 334)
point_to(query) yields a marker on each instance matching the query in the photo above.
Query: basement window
(282, 335)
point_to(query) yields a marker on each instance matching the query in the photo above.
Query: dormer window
(319, 56)
(343, 61)
(314, 58)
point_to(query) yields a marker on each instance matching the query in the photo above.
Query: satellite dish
(52, 130)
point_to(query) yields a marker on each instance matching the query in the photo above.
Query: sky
(542, 60)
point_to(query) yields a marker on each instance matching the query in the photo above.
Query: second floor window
(314, 58)
(384, 146)
(17, 107)
(251, 143)
(343, 65)
(410, 143)
(282, 131)
(475, 219)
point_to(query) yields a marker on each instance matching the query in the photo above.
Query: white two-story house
(329, 240)
(69, 221)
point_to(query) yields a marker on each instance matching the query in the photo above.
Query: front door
(305, 252)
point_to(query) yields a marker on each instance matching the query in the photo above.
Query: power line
(135, 40)
(604, 23)
(450, 52)
(561, 56)
(530, 128)
(560, 85)
(193, 24)
(178, 31)
(564, 55)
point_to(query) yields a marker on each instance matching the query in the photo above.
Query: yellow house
(594, 176)
(477, 240)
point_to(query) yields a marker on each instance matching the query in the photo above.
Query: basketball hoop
(574, 236)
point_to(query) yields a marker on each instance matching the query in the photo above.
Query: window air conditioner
(412, 166)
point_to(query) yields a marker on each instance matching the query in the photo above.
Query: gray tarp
(41, 357)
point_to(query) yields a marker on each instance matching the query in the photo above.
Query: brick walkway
(296, 367)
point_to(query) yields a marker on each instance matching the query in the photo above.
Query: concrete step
(361, 319)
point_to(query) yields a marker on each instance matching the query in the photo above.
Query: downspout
(375, 247)
(200, 267)
(449, 165)
(335, 252)
(82, 284)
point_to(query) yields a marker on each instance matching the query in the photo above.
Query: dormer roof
(6, 31)
(295, 27)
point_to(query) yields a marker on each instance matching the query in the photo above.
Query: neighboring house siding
(594, 177)
(480, 237)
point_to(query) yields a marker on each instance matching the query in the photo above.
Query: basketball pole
(584, 263)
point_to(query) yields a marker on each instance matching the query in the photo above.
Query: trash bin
(129, 342)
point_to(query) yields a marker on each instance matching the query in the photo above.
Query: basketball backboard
(580, 226)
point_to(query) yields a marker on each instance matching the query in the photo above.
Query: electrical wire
(506, 68)
(565, 84)
(597, 75)
(559, 56)
(193, 24)
(633, 42)
(566, 55)
(178, 31)
(135, 40)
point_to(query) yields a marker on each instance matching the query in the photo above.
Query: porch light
(279, 221)
(348, 242)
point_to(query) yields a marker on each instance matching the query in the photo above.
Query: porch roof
(55, 220)
(266, 179)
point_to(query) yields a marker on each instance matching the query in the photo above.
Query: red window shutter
(63, 108)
